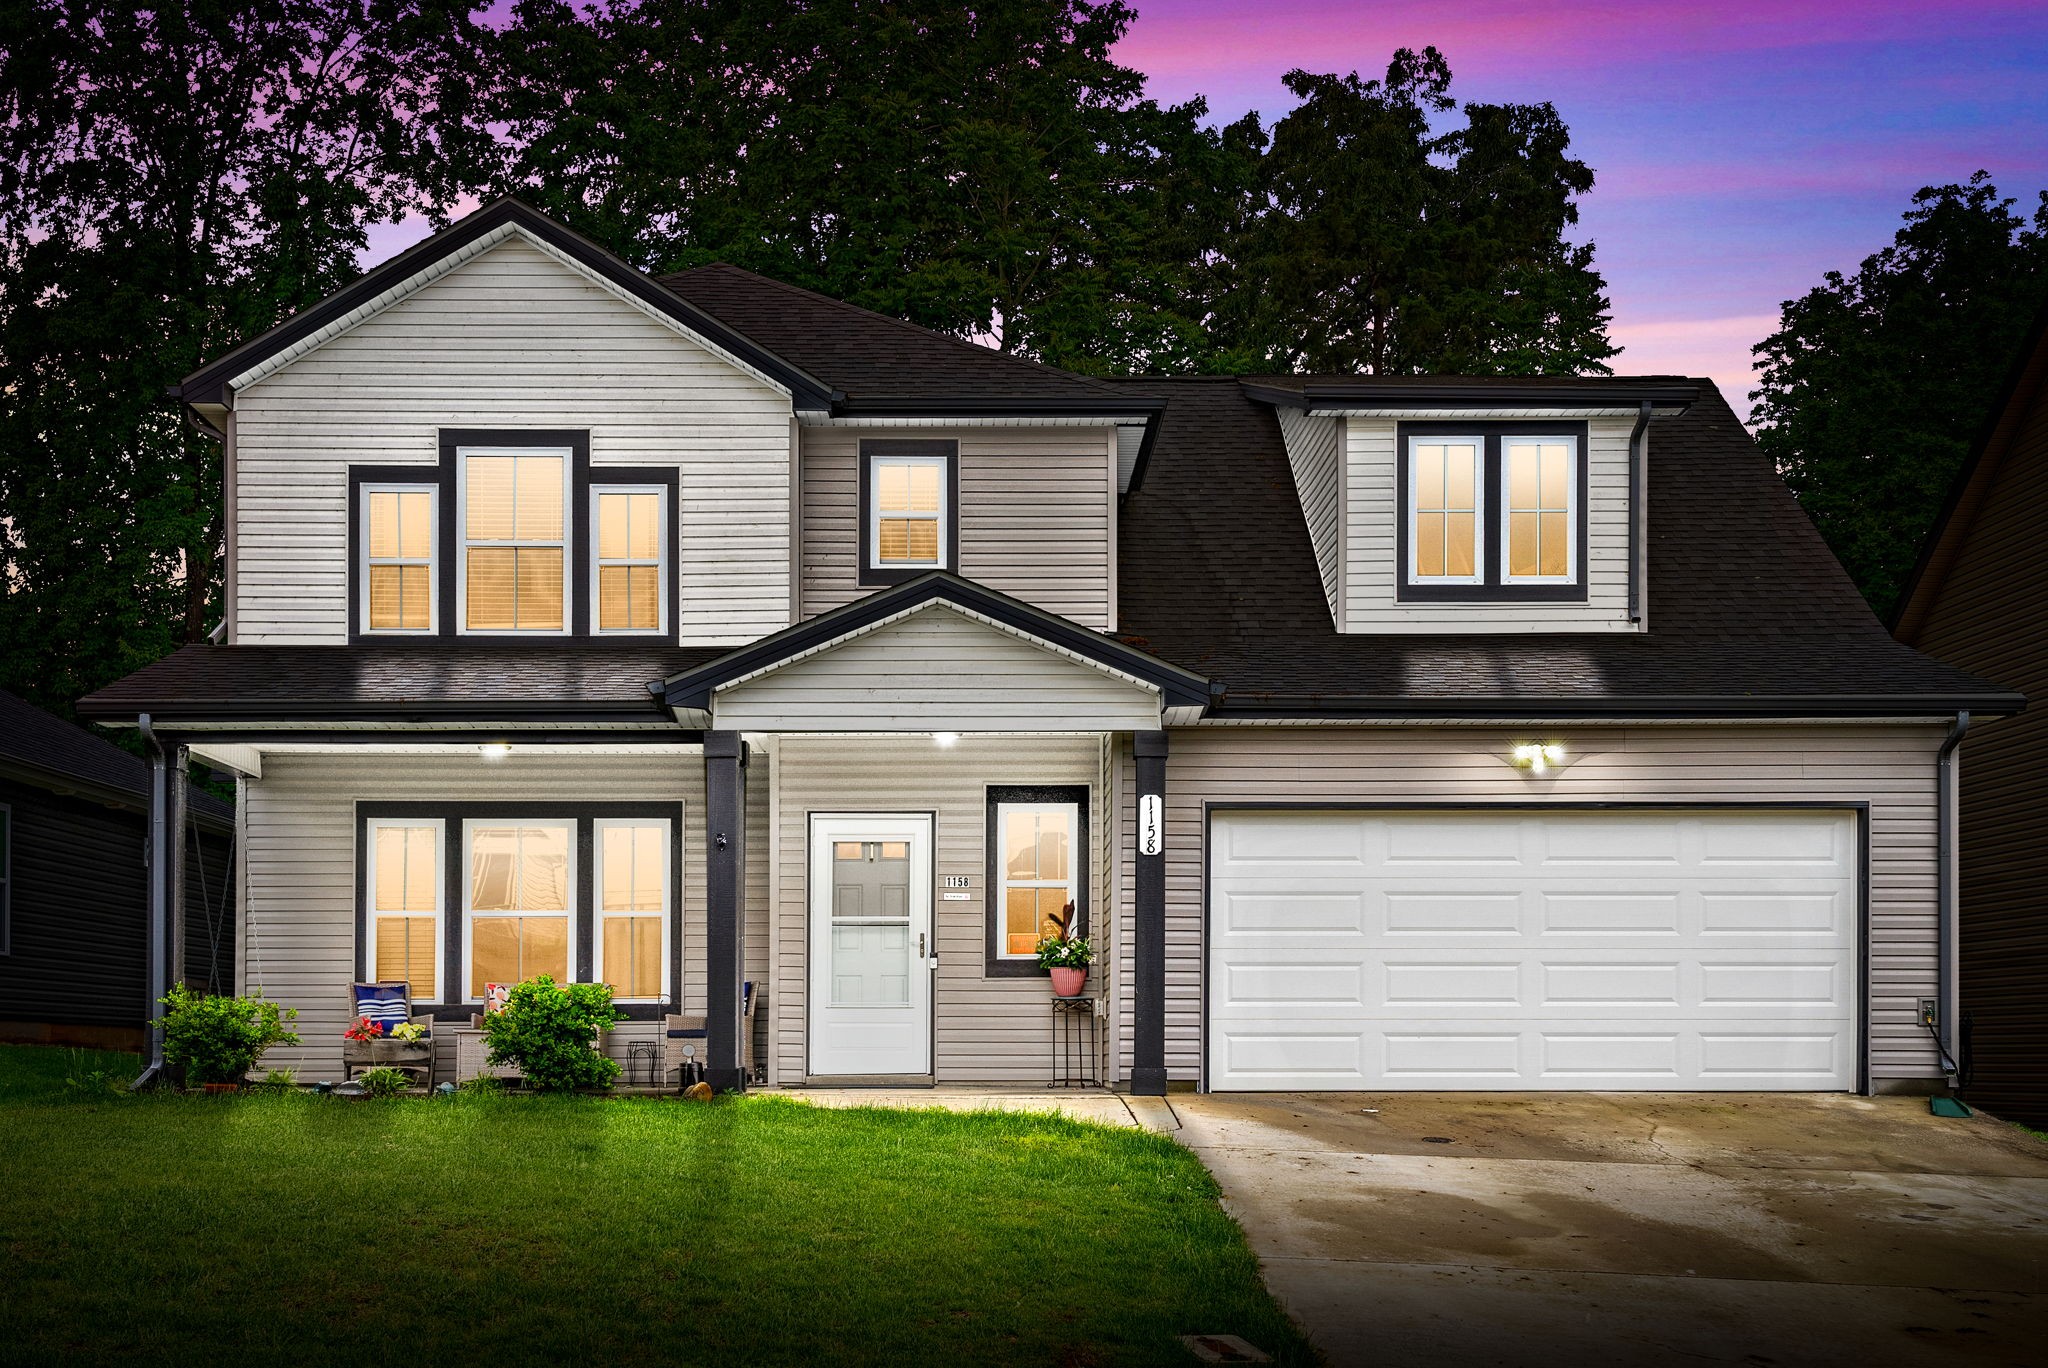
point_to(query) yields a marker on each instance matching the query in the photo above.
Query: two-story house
(1383, 732)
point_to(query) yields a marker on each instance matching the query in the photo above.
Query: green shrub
(482, 1085)
(277, 1080)
(548, 1031)
(384, 1082)
(218, 1039)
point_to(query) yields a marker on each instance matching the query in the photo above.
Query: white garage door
(1526, 950)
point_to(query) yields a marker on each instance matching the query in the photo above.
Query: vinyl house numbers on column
(1151, 823)
(953, 882)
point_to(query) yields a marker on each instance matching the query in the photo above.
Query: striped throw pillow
(382, 1004)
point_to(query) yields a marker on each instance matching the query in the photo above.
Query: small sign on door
(1151, 823)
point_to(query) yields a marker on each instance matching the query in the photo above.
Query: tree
(987, 171)
(1378, 245)
(174, 180)
(1875, 383)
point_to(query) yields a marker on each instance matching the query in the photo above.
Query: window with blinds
(514, 543)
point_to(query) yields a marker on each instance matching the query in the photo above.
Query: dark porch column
(164, 874)
(1148, 963)
(725, 888)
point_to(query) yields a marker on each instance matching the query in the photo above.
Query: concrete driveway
(1613, 1229)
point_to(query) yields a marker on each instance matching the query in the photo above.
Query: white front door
(871, 945)
(1521, 949)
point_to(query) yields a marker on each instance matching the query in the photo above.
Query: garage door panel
(1649, 950)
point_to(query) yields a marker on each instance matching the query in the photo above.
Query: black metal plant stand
(1074, 1046)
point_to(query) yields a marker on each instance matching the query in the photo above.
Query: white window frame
(463, 543)
(1412, 511)
(598, 561)
(440, 826)
(1004, 883)
(597, 910)
(874, 513)
(470, 914)
(433, 493)
(1571, 509)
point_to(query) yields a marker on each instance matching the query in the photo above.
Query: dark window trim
(1861, 807)
(447, 538)
(651, 477)
(870, 449)
(455, 1007)
(1491, 589)
(994, 965)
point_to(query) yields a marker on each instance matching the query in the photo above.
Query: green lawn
(302, 1230)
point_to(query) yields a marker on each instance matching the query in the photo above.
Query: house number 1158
(1151, 821)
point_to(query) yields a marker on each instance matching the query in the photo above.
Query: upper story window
(1492, 513)
(909, 496)
(514, 539)
(398, 536)
(510, 534)
(630, 561)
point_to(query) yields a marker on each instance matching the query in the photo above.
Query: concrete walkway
(1611, 1229)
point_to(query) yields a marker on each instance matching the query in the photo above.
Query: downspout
(1635, 511)
(1946, 1002)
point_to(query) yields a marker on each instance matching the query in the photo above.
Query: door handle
(920, 945)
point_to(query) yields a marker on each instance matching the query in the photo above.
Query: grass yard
(302, 1230)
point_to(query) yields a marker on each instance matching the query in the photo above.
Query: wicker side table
(472, 1058)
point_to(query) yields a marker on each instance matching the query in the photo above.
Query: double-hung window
(909, 512)
(1492, 513)
(398, 541)
(519, 900)
(633, 907)
(629, 563)
(514, 539)
(1037, 875)
(403, 883)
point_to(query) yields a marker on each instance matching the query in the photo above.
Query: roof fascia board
(214, 382)
(1277, 707)
(692, 689)
(1106, 408)
(939, 605)
(2026, 381)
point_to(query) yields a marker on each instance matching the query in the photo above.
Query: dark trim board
(1352, 392)
(867, 451)
(1490, 514)
(993, 964)
(455, 1005)
(1935, 709)
(1860, 807)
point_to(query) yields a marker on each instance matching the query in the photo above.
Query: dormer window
(1493, 512)
(910, 519)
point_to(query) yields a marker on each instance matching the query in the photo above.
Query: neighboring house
(1385, 732)
(1979, 600)
(74, 817)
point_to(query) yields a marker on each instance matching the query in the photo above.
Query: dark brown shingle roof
(1744, 602)
(46, 750)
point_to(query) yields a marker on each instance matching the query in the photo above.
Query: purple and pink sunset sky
(1742, 148)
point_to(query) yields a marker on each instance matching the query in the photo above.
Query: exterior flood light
(1536, 759)
(495, 750)
(946, 738)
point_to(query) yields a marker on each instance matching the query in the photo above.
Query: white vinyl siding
(1036, 516)
(296, 882)
(1374, 504)
(985, 1030)
(511, 339)
(1312, 453)
(1889, 767)
(936, 670)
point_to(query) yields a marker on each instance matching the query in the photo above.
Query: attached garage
(1524, 949)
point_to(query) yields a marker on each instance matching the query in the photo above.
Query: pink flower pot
(1069, 982)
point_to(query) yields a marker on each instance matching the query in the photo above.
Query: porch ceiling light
(1538, 757)
(495, 750)
(946, 738)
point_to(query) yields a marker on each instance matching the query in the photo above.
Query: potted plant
(406, 1045)
(1066, 957)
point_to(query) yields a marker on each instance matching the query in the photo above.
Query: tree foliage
(1876, 383)
(173, 180)
(1382, 246)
